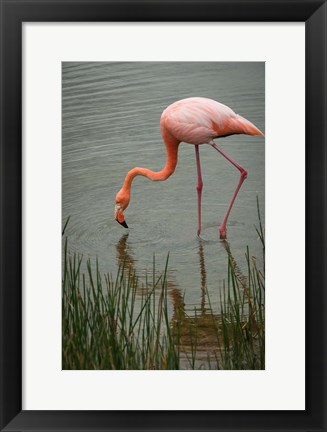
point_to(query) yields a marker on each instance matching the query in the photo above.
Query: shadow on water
(125, 258)
(198, 328)
(238, 272)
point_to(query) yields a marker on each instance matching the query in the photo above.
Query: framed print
(98, 98)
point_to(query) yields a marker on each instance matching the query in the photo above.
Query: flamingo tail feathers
(246, 127)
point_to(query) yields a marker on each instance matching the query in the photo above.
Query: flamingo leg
(199, 186)
(243, 172)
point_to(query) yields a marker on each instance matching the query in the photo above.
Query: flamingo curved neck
(167, 171)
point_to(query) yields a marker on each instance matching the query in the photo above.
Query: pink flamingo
(195, 121)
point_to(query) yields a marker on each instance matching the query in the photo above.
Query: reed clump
(243, 312)
(242, 324)
(120, 324)
(103, 327)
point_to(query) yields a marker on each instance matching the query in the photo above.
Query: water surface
(110, 124)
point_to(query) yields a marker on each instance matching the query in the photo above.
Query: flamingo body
(194, 121)
(199, 120)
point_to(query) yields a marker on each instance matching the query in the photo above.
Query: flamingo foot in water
(223, 232)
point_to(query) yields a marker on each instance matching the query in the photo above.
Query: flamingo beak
(124, 224)
(119, 216)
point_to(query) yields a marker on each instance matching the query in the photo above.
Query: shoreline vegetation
(119, 323)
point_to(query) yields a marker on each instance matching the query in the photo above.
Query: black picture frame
(13, 14)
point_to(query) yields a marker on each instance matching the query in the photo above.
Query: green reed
(243, 313)
(103, 329)
(118, 323)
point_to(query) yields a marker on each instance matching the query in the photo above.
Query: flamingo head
(122, 201)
